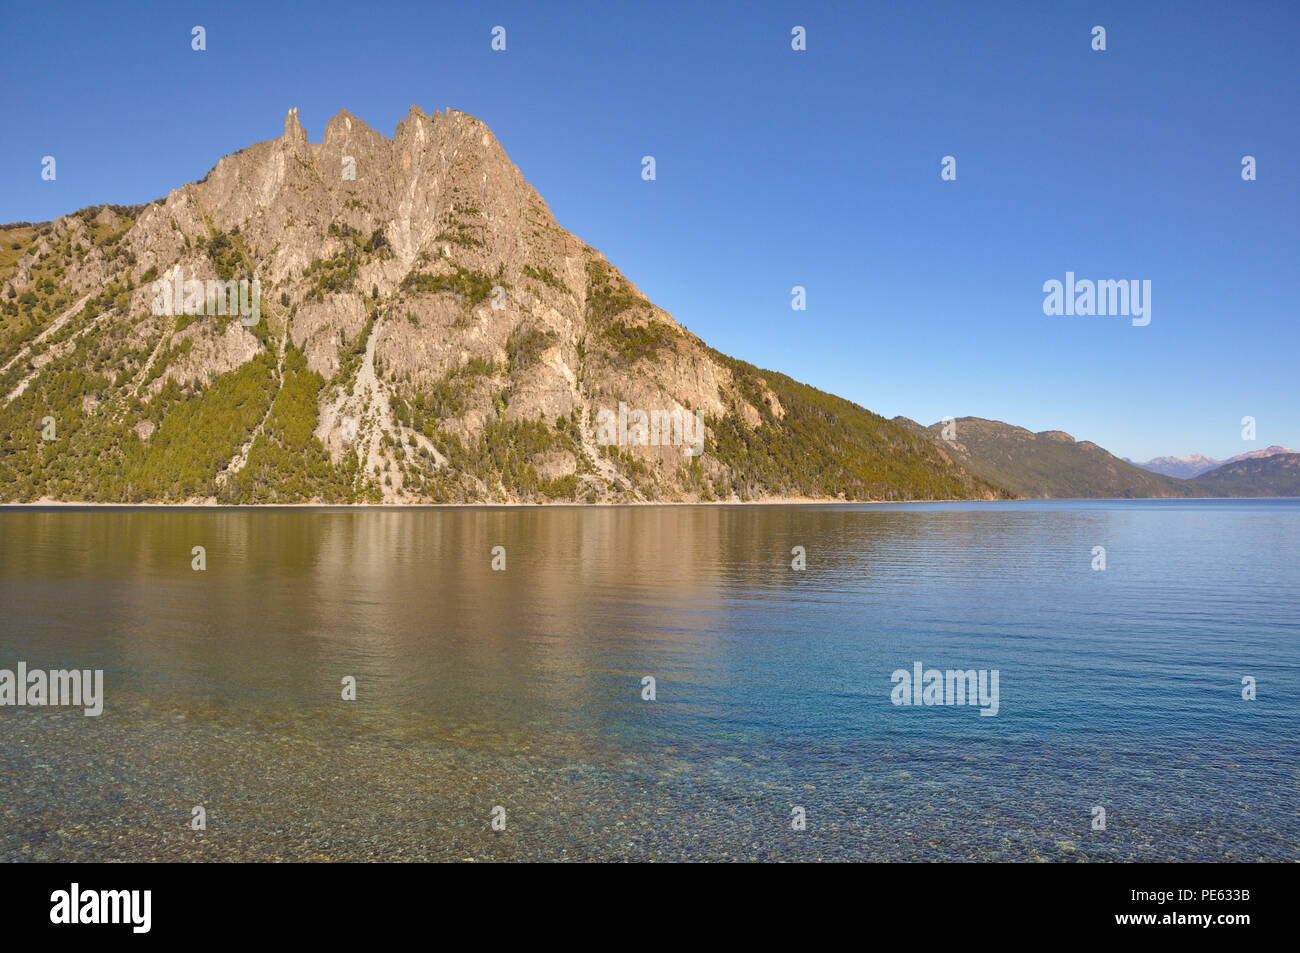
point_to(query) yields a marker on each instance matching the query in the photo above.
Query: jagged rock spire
(293, 131)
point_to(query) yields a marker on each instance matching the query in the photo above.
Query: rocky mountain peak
(293, 131)
(340, 128)
(426, 332)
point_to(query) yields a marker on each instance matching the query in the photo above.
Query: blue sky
(779, 168)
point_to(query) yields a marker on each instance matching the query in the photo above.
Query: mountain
(1270, 475)
(414, 327)
(1195, 464)
(1181, 467)
(1051, 464)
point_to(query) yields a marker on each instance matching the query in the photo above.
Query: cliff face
(425, 332)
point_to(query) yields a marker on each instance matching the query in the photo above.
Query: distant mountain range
(1047, 464)
(1275, 475)
(1054, 465)
(1195, 464)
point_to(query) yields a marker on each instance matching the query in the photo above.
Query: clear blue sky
(779, 168)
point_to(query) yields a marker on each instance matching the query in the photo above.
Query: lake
(517, 698)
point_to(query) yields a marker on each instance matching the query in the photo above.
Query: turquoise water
(521, 688)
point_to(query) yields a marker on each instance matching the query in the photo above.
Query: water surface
(522, 689)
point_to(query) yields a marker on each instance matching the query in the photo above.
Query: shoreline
(205, 505)
(774, 501)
